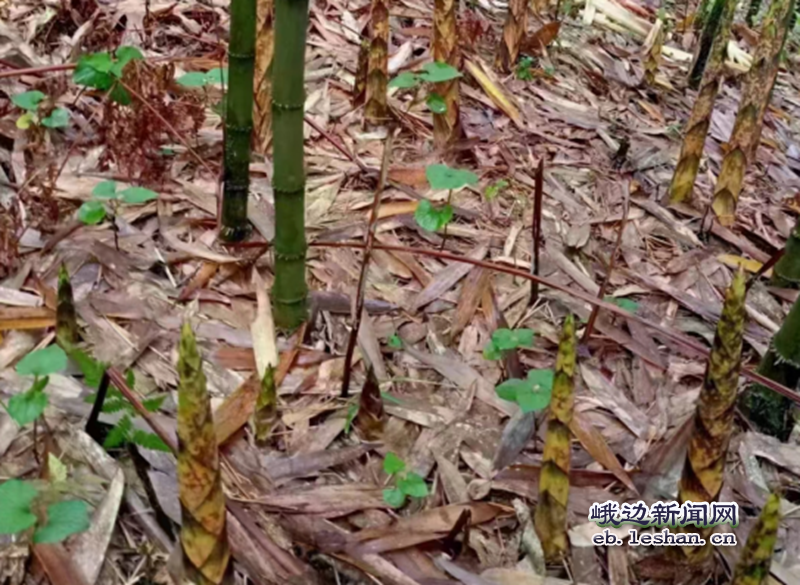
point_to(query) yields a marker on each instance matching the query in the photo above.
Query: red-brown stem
(767, 265)
(369, 239)
(536, 228)
(587, 333)
(119, 381)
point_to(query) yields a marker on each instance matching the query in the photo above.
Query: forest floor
(313, 498)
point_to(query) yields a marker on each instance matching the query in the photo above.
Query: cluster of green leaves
(30, 101)
(524, 66)
(505, 340)
(434, 72)
(495, 189)
(94, 211)
(441, 177)
(28, 406)
(407, 483)
(199, 79)
(19, 502)
(532, 393)
(103, 71)
(115, 401)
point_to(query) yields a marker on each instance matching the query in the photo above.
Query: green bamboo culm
(289, 291)
(711, 28)
(238, 121)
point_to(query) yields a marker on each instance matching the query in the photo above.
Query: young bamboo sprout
(701, 480)
(265, 47)
(203, 531)
(700, 118)
(756, 94)
(754, 564)
(66, 322)
(376, 111)
(653, 58)
(550, 519)
(513, 32)
(289, 291)
(446, 126)
(265, 414)
(238, 121)
(714, 26)
(359, 96)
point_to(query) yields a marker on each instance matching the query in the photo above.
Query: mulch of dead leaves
(313, 497)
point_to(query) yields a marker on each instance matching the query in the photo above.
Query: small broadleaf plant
(434, 72)
(95, 210)
(199, 79)
(407, 483)
(103, 71)
(440, 177)
(30, 102)
(505, 340)
(21, 500)
(28, 406)
(495, 189)
(532, 393)
(115, 401)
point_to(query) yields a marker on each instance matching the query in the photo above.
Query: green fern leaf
(149, 441)
(153, 404)
(120, 433)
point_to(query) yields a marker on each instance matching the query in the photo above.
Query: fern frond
(119, 433)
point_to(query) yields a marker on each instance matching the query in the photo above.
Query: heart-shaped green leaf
(442, 177)
(63, 519)
(105, 190)
(25, 120)
(94, 70)
(393, 464)
(541, 378)
(394, 497)
(92, 212)
(432, 218)
(28, 406)
(436, 103)
(28, 100)
(58, 118)
(192, 79)
(137, 195)
(533, 399)
(42, 362)
(16, 497)
(413, 485)
(405, 80)
(217, 76)
(437, 72)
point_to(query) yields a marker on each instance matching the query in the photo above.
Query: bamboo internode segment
(756, 94)
(700, 118)
(265, 48)
(376, 110)
(513, 33)
(446, 126)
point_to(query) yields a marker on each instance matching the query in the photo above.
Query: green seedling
(103, 71)
(19, 502)
(28, 406)
(532, 393)
(440, 177)
(434, 72)
(495, 189)
(106, 201)
(505, 340)
(407, 483)
(395, 342)
(524, 66)
(216, 76)
(31, 102)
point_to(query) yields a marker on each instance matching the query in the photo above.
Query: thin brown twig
(667, 332)
(767, 265)
(369, 239)
(536, 228)
(587, 333)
